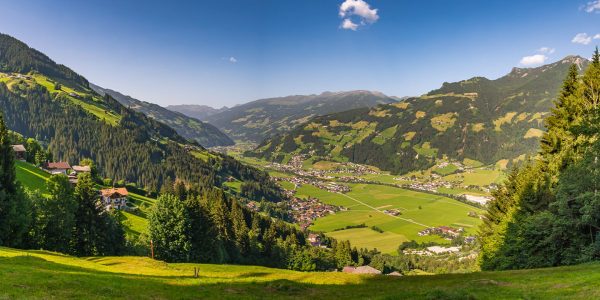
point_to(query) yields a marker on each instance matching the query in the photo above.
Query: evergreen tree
(55, 217)
(239, 228)
(88, 220)
(14, 207)
(169, 229)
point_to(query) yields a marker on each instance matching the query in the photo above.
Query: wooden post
(152, 249)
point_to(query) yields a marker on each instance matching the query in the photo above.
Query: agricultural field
(366, 203)
(49, 275)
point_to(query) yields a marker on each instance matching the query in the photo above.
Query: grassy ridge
(39, 274)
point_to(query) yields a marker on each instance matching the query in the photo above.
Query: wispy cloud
(359, 10)
(232, 60)
(546, 50)
(582, 38)
(592, 6)
(536, 59)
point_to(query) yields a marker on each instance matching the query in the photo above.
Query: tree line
(548, 211)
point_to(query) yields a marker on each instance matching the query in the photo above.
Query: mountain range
(486, 120)
(189, 127)
(260, 119)
(200, 112)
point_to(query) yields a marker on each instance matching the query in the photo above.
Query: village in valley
(314, 188)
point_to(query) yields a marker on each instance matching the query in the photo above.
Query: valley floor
(40, 274)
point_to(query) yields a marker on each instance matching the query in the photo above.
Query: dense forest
(548, 211)
(481, 119)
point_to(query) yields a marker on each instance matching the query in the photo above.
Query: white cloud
(582, 38)
(359, 9)
(592, 6)
(348, 24)
(535, 59)
(232, 60)
(597, 36)
(546, 50)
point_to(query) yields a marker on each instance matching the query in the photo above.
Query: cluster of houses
(113, 198)
(432, 250)
(304, 211)
(443, 231)
(329, 186)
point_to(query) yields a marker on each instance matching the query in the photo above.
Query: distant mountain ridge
(190, 128)
(260, 119)
(481, 119)
(200, 112)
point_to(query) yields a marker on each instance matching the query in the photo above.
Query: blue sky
(229, 52)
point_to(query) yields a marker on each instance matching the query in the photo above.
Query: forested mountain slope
(482, 119)
(205, 134)
(260, 119)
(55, 105)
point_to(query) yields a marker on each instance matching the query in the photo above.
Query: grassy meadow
(48, 275)
(366, 203)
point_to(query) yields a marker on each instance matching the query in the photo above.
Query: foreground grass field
(47, 275)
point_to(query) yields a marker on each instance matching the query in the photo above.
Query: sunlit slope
(39, 274)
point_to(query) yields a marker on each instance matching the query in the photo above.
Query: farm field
(366, 202)
(46, 275)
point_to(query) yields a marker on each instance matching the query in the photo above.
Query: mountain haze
(200, 112)
(482, 119)
(260, 119)
(188, 127)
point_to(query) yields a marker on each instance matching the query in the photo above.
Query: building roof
(366, 270)
(110, 192)
(361, 270)
(80, 169)
(19, 148)
(61, 165)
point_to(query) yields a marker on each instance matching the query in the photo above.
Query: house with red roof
(114, 198)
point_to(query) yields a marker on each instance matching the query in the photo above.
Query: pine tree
(240, 228)
(14, 207)
(88, 220)
(55, 219)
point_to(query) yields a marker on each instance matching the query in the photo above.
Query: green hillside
(481, 119)
(205, 134)
(49, 102)
(43, 275)
(260, 119)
